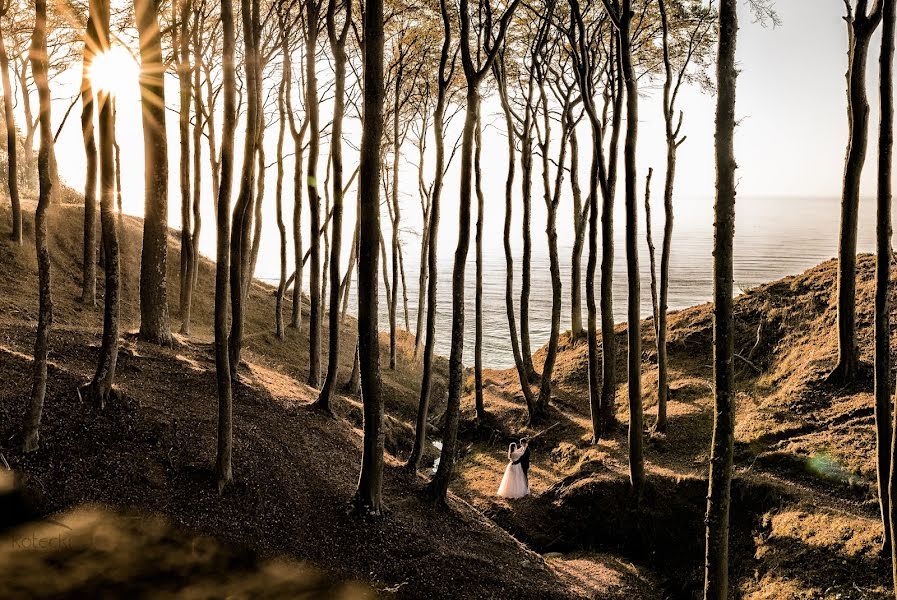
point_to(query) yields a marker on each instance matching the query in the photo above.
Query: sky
(790, 140)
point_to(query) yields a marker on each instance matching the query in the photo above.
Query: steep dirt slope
(295, 469)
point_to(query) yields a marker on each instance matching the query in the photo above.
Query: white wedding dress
(514, 484)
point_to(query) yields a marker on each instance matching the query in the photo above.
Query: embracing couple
(515, 483)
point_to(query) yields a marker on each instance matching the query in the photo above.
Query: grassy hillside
(805, 510)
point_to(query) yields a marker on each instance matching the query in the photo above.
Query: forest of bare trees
(568, 78)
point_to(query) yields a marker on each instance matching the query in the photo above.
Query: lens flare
(112, 71)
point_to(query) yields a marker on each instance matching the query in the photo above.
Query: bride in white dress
(514, 484)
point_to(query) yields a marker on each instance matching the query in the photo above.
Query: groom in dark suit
(524, 459)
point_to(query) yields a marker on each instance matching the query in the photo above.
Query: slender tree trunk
(649, 239)
(154, 321)
(370, 482)
(278, 197)
(180, 42)
(242, 217)
(474, 75)
(596, 390)
(552, 200)
(672, 133)
(214, 161)
(634, 333)
(100, 388)
(117, 151)
(338, 47)
(425, 233)
(404, 288)
(38, 57)
(883, 408)
(860, 31)
(608, 334)
(298, 145)
(660, 424)
(426, 384)
(346, 286)
(311, 106)
(353, 386)
(394, 213)
(193, 266)
(439, 484)
(225, 446)
(89, 269)
(579, 232)
(325, 256)
(384, 272)
(526, 167)
(716, 579)
(11, 141)
(478, 317)
(257, 211)
(422, 281)
(522, 373)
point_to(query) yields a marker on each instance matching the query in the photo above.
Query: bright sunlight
(114, 70)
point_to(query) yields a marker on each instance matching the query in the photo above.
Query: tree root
(98, 393)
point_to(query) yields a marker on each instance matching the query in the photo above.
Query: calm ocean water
(775, 237)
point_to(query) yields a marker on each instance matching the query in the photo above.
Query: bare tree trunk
(474, 75)
(552, 197)
(478, 317)
(311, 106)
(526, 167)
(634, 329)
(117, 150)
(395, 216)
(338, 47)
(353, 386)
(404, 288)
(716, 577)
(89, 269)
(257, 211)
(100, 388)
(522, 373)
(325, 256)
(370, 482)
(860, 28)
(278, 197)
(608, 334)
(214, 160)
(240, 227)
(425, 202)
(660, 424)
(596, 390)
(673, 142)
(883, 408)
(180, 33)
(154, 321)
(426, 384)
(38, 57)
(347, 281)
(193, 265)
(225, 446)
(422, 278)
(298, 144)
(439, 484)
(579, 233)
(11, 139)
(649, 239)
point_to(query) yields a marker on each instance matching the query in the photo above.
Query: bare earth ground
(804, 515)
